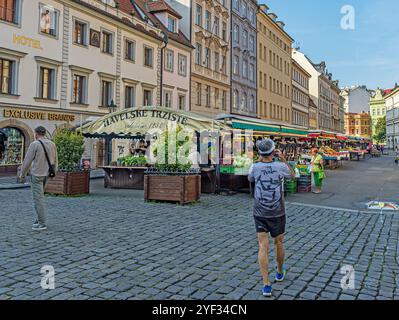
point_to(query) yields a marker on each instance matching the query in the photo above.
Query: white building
(392, 107)
(356, 99)
(63, 62)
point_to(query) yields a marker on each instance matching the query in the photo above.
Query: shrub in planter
(133, 161)
(71, 179)
(172, 178)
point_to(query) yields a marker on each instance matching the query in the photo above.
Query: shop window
(12, 143)
(48, 20)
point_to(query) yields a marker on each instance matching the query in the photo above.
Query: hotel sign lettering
(37, 115)
(26, 41)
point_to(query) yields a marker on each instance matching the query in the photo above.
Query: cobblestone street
(112, 245)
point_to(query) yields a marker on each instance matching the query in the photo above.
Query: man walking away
(269, 208)
(36, 160)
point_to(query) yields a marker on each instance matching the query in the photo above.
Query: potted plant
(172, 179)
(70, 179)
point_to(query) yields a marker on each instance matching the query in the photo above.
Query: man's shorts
(274, 226)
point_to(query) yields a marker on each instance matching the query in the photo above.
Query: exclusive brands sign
(37, 115)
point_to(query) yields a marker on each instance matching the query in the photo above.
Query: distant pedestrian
(317, 165)
(269, 207)
(40, 153)
(382, 149)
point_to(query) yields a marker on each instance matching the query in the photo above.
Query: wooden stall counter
(119, 177)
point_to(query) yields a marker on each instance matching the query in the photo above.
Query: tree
(380, 132)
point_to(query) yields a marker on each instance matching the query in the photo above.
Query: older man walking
(41, 159)
(269, 208)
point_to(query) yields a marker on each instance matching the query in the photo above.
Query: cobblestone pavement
(112, 245)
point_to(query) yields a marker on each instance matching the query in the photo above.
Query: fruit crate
(227, 169)
(290, 186)
(306, 189)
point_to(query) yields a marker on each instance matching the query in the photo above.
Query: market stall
(126, 170)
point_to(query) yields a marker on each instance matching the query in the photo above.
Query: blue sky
(367, 55)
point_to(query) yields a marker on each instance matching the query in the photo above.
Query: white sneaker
(39, 227)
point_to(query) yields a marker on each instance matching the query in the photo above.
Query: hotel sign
(37, 115)
(26, 41)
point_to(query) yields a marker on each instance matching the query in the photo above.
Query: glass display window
(12, 143)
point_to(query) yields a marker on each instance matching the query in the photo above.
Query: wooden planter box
(124, 177)
(182, 189)
(69, 183)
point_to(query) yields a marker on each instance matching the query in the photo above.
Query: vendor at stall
(317, 168)
(139, 149)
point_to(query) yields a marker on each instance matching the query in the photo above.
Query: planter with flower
(70, 179)
(172, 178)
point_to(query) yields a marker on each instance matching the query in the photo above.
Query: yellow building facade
(274, 68)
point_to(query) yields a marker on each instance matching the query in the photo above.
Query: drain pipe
(164, 45)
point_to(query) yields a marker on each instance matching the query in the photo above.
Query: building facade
(65, 62)
(358, 125)
(176, 54)
(377, 108)
(300, 96)
(392, 107)
(210, 72)
(336, 107)
(356, 98)
(275, 81)
(243, 57)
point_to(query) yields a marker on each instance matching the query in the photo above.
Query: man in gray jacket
(36, 161)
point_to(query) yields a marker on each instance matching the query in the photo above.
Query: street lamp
(112, 107)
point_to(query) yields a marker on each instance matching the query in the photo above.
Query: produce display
(133, 161)
(329, 151)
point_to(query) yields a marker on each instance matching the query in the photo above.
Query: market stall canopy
(263, 126)
(137, 122)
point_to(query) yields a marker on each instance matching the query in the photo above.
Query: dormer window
(172, 24)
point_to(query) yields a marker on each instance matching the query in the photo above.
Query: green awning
(255, 127)
(294, 131)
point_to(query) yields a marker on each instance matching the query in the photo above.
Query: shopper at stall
(269, 207)
(40, 153)
(139, 149)
(317, 168)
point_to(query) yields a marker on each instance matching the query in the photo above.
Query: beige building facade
(274, 68)
(65, 62)
(300, 96)
(210, 72)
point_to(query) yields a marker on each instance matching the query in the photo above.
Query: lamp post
(112, 107)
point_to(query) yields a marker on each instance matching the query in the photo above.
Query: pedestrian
(269, 208)
(382, 149)
(317, 169)
(40, 153)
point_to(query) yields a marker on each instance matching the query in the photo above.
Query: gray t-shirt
(269, 192)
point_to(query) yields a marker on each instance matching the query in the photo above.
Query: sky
(367, 55)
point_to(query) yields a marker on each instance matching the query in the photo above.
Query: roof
(127, 9)
(178, 37)
(161, 6)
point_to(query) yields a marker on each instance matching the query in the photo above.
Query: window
(168, 99)
(198, 53)
(182, 102)
(80, 33)
(199, 94)
(245, 68)
(130, 50)
(106, 93)
(252, 43)
(244, 9)
(236, 33)
(251, 72)
(208, 96)
(169, 60)
(217, 26)
(171, 24)
(9, 10)
(46, 83)
(235, 99)
(48, 20)
(198, 16)
(224, 65)
(207, 57)
(244, 101)
(107, 45)
(236, 5)
(130, 97)
(182, 65)
(217, 63)
(79, 89)
(224, 31)
(147, 97)
(245, 38)
(236, 65)
(252, 103)
(6, 76)
(252, 16)
(148, 57)
(216, 98)
(207, 20)
(224, 100)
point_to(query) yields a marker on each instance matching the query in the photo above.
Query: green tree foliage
(70, 147)
(380, 132)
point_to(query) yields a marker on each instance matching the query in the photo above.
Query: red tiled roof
(161, 6)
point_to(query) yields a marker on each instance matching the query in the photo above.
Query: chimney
(272, 16)
(264, 8)
(281, 24)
